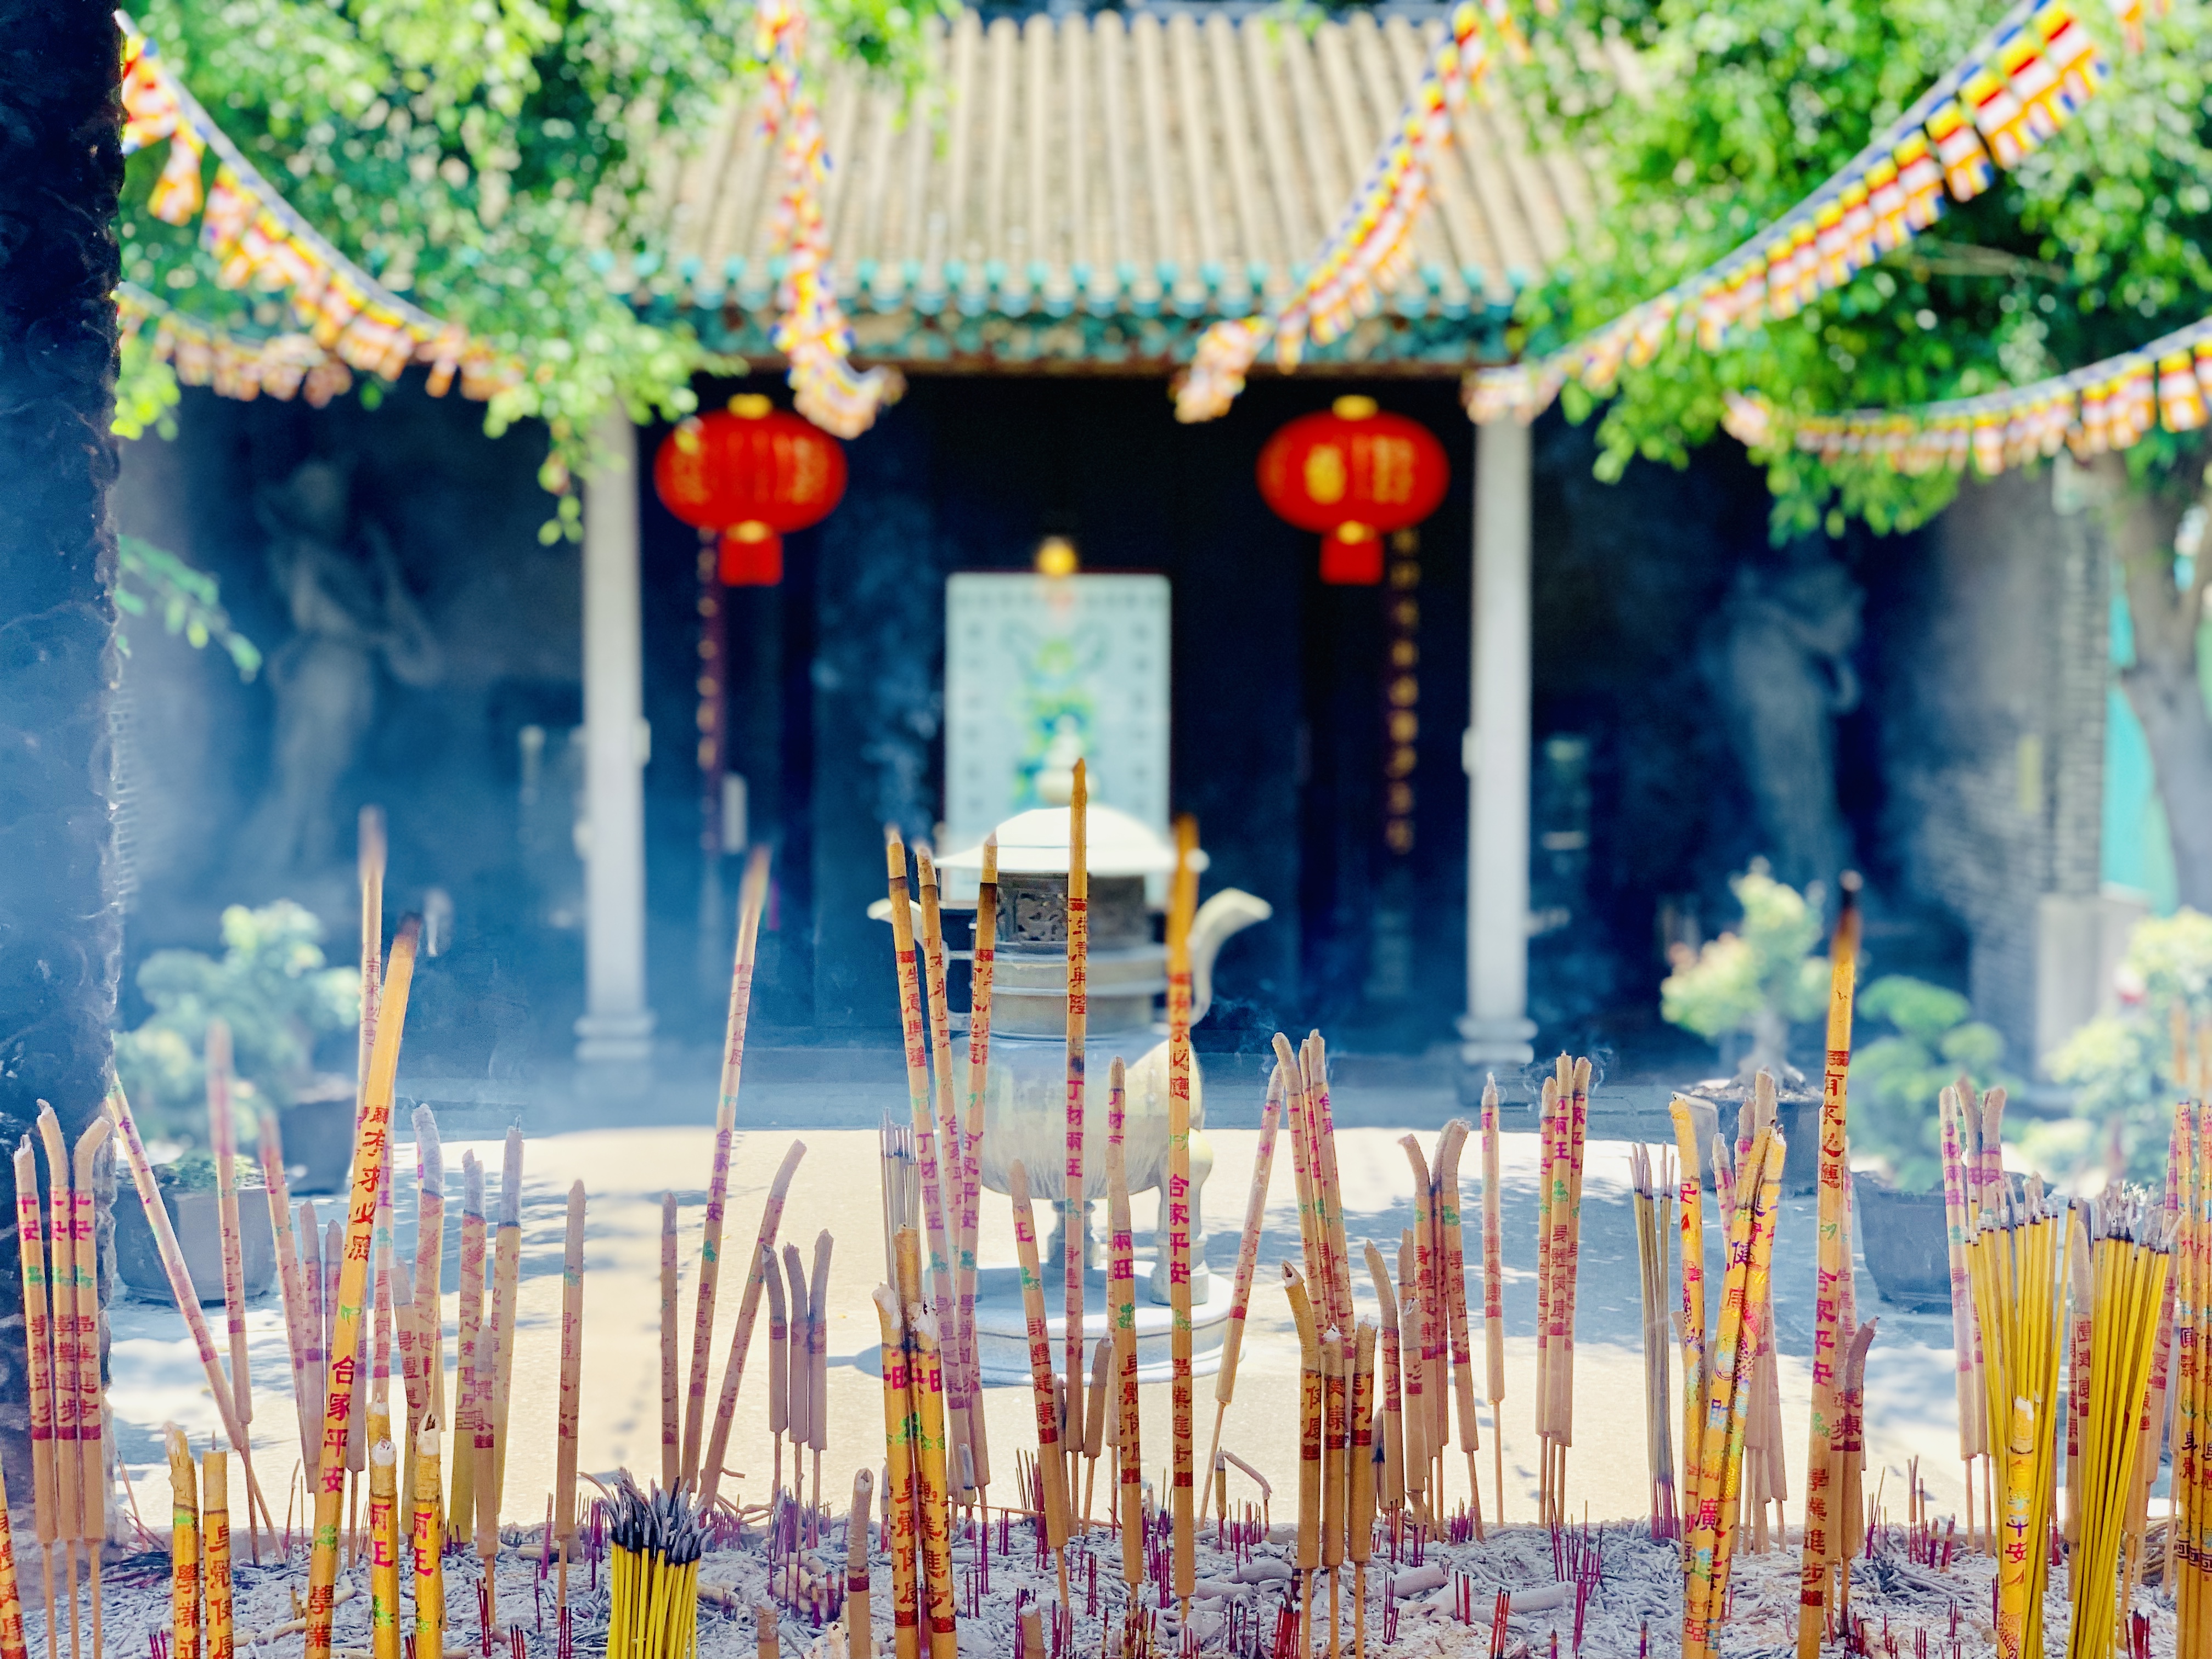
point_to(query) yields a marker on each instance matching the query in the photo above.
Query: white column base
(614, 1039)
(1496, 1043)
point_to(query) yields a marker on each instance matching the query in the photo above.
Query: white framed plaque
(1040, 670)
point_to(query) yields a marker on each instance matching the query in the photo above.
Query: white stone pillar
(616, 1026)
(1496, 1030)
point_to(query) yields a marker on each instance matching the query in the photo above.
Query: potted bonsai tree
(1932, 1043)
(279, 996)
(188, 1193)
(1744, 990)
(2127, 1068)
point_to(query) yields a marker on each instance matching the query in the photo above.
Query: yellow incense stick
(1834, 1247)
(372, 1147)
(982, 971)
(184, 1551)
(1311, 1387)
(429, 1547)
(215, 1521)
(946, 1285)
(900, 1541)
(383, 1539)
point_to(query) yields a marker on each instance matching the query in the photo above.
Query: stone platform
(1002, 1339)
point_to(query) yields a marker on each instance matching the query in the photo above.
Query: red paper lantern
(755, 473)
(1355, 474)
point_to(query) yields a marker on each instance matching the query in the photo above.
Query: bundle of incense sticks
(932, 1484)
(652, 1573)
(751, 896)
(1719, 1470)
(899, 1178)
(1830, 1336)
(2189, 1555)
(982, 971)
(763, 1259)
(1962, 1195)
(2128, 1275)
(2017, 1267)
(1052, 1466)
(1765, 1478)
(1653, 1199)
(919, 1095)
(1690, 1320)
(1565, 1122)
(1248, 1250)
(945, 1284)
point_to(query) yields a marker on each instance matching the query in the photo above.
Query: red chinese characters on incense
(372, 1147)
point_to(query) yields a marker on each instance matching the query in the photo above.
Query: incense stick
(429, 1546)
(507, 1286)
(1182, 906)
(383, 1539)
(215, 1524)
(1359, 1527)
(38, 1330)
(983, 970)
(222, 1144)
(859, 1617)
(291, 1289)
(429, 1299)
(900, 1541)
(1493, 1293)
(779, 1372)
(572, 1363)
(710, 1474)
(1122, 1300)
(751, 896)
(1052, 1467)
(817, 1359)
(371, 1146)
(184, 1549)
(1454, 1284)
(61, 1252)
(460, 1515)
(1311, 1387)
(672, 1430)
(799, 1387)
(1834, 1264)
(1393, 1459)
(92, 1414)
(180, 1284)
(1072, 1211)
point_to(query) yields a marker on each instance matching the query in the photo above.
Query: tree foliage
(490, 158)
(1757, 979)
(2096, 244)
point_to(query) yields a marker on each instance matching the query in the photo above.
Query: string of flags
(811, 331)
(2107, 406)
(1370, 243)
(2019, 86)
(349, 321)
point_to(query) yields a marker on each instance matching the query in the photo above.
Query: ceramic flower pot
(197, 1218)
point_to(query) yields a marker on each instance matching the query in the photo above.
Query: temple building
(1459, 786)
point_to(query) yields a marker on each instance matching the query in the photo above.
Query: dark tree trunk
(2161, 682)
(61, 168)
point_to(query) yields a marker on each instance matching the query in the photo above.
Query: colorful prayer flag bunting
(2021, 84)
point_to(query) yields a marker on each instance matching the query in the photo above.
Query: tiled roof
(1102, 188)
